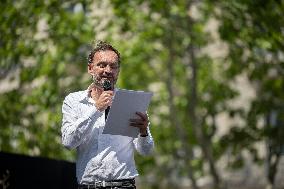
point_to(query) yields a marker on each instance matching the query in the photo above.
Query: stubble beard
(98, 82)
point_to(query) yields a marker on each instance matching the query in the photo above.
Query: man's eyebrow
(105, 62)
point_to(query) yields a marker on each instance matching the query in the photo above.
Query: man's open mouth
(106, 78)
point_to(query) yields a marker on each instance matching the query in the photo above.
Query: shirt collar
(86, 93)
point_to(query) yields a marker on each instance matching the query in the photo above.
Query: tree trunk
(275, 145)
(192, 106)
(174, 119)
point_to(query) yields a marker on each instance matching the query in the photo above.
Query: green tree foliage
(44, 45)
(254, 32)
(43, 49)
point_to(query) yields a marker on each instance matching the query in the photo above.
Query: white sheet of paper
(124, 107)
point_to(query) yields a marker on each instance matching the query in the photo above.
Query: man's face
(104, 67)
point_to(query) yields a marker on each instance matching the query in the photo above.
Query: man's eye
(101, 65)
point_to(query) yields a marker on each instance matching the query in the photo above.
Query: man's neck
(96, 92)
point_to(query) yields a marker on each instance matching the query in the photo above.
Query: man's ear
(90, 69)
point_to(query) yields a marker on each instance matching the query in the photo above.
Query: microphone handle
(106, 112)
(107, 87)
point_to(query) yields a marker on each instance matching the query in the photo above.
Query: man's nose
(108, 69)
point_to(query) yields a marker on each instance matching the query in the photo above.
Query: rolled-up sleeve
(74, 128)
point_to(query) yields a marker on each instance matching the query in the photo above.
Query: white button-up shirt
(99, 156)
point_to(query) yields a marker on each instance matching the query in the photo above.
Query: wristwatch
(144, 134)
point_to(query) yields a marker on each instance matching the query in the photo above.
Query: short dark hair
(102, 46)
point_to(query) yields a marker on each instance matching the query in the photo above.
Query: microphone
(107, 86)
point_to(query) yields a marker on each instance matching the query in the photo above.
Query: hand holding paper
(141, 123)
(124, 107)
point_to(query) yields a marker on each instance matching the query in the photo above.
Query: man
(103, 160)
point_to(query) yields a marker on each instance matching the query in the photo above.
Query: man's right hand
(104, 100)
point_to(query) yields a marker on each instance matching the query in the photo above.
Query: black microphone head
(107, 85)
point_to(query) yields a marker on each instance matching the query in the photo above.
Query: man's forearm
(75, 129)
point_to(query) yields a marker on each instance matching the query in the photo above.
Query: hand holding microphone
(105, 99)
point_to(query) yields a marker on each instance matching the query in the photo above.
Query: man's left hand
(141, 123)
